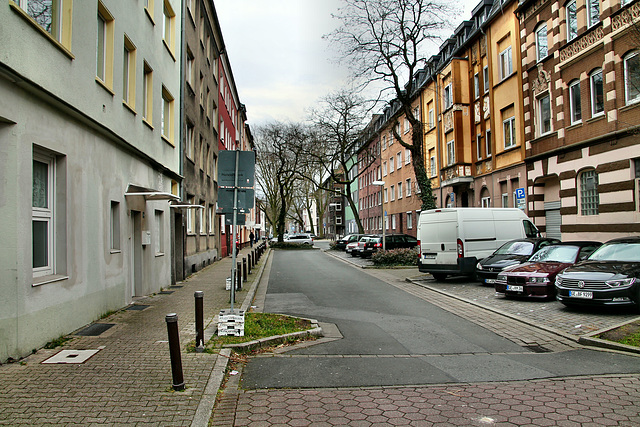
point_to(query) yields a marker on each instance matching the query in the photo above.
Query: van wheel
(439, 276)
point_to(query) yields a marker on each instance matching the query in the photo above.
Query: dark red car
(536, 277)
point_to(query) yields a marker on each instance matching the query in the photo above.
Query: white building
(89, 158)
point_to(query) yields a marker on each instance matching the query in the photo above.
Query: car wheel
(439, 276)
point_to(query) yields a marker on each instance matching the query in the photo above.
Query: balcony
(456, 175)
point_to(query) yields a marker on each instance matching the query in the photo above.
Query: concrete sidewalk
(128, 381)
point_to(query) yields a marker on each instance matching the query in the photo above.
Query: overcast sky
(280, 62)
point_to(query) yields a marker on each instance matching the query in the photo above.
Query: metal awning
(148, 193)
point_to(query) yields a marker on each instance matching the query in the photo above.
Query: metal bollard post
(250, 262)
(253, 259)
(174, 351)
(199, 297)
(244, 269)
(238, 269)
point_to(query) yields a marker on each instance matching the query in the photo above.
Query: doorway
(136, 253)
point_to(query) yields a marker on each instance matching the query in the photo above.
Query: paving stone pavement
(129, 381)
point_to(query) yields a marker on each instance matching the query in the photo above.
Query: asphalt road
(393, 337)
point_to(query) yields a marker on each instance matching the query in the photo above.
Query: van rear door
(438, 235)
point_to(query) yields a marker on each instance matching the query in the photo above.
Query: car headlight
(538, 279)
(479, 266)
(621, 282)
(501, 277)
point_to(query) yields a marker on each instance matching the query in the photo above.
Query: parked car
(350, 247)
(359, 248)
(341, 244)
(511, 253)
(610, 276)
(392, 241)
(536, 277)
(302, 238)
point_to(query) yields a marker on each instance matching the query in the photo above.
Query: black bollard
(239, 277)
(244, 269)
(174, 351)
(250, 262)
(253, 259)
(199, 296)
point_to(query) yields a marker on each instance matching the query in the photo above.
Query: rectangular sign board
(240, 219)
(227, 168)
(225, 199)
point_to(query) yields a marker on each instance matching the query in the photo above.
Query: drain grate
(95, 329)
(70, 357)
(165, 292)
(537, 349)
(137, 307)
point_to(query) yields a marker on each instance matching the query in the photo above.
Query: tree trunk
(417, 160)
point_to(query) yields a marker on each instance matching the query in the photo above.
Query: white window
(190, 70)
(114, 226)
(159, 246)
(589, 198)
(203, 226)
(167, 120)
(486, 202)
(509, 128)
(542, 43)
(632, 77)
(47, 14)
(407, 126)
(400, 190)
(101, 48)
(485, 77)
(384, 168)
(393, 193)
(212, 216)
(147, 93)
(597, 92)
(506, 63)
(479, 146)
(386, 195)
(43, 215)
(129, 73)
(451, 152)
(190, 141)
(399, 160)
(505, 200)
(572, 20)
(476, 85)
(168, 26)
(432, 164)
(407, 156)
(432, 120)
(593, 12)
(391, 139)
(409, 220)
(391, 165)
(488, 142)
(544, 114)
(408, 190)
(393, 221)
(384, 142)
(448, 97)
(574, 101)
(191, 216)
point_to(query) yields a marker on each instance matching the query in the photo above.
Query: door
(553, 219)
(136, 253)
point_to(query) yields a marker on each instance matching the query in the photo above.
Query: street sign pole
(233, 233)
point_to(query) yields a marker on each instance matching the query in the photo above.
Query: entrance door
(136, 253)
(553, 219)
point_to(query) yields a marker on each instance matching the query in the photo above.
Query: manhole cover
(137, 307)
(166, 292)
(71, 356)
(95, 329)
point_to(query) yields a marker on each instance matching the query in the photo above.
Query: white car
(303, 238)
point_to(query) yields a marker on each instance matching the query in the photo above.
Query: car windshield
(515, 248)
(556, 254)
(626, 252)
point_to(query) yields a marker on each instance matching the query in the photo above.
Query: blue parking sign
(520, 194)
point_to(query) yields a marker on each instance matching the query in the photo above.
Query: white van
(453, 240)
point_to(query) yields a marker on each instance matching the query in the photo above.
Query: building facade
(89, 124)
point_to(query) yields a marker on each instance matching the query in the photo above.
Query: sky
(281, 64)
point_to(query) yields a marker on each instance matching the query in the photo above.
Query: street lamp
(381, 184)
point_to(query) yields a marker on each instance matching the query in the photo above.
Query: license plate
(515, 288)
(581, 294)
(429, 256)
(489, 281)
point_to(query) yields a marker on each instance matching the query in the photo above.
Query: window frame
(129, 73)
(487, 143)
(510, 124)
(591, 6)
(408, 190)
(45, 214)
(571, 20)
(167, 115)
(104, 50)
(596, 93)
(542, 51)
(147, 93)
(505, 60)
(159, 229)
(60, 21)
(114, 227)
(541, 119)
(635, 55)
(169, 27)
(476, 85)
(589, 198)
(575, 111)
(448, 97)
(451, 152)
(485, 78)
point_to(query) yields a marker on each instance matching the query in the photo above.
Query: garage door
(553, 219)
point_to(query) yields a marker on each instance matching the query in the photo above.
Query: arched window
(589, 198)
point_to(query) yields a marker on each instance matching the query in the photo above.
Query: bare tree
(277, 168)
(383, 42)
(332, 155)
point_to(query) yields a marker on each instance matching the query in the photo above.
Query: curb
(277, 339)
(591, 340)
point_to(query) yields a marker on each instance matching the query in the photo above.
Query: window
(168, 26)
(593, 12)
(505, 200)
(632, 77)
(114, 227)
(432, 121)
(399, 160)
(407, 156)
(391, 165)
(597, 93)
(191, 216)
(148, 6)
(488, 142)
(43, 214)
(589, 199)
(386, 198)
(203, 226)
(393, 193)
(393, 221)
(486, 202)
(409, 220)
(476, 85)
(147, 93)
(104, 47)
(407, 126)
(390, 138)
(506, 64)
(129, 73)
(485, 77)
(384, 142)
(574, 102)
(51, 17)
(408, 190)
(448, 97)
(167, 114)
(432, 164)
(637, 167)
(544, 114)
(400, 190)
(509, 129)
(542, 44)
(479, 146)
(451, 152)
(190, 71)
(190, 141)
(572, 20)
(384, 168)
(212, 213)
(159, 223)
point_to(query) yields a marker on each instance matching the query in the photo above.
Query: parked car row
(302, 238)
(365, 245)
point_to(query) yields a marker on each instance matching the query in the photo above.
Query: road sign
(520, 194)
(227, 168)
(240, 219)
(225, 199)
